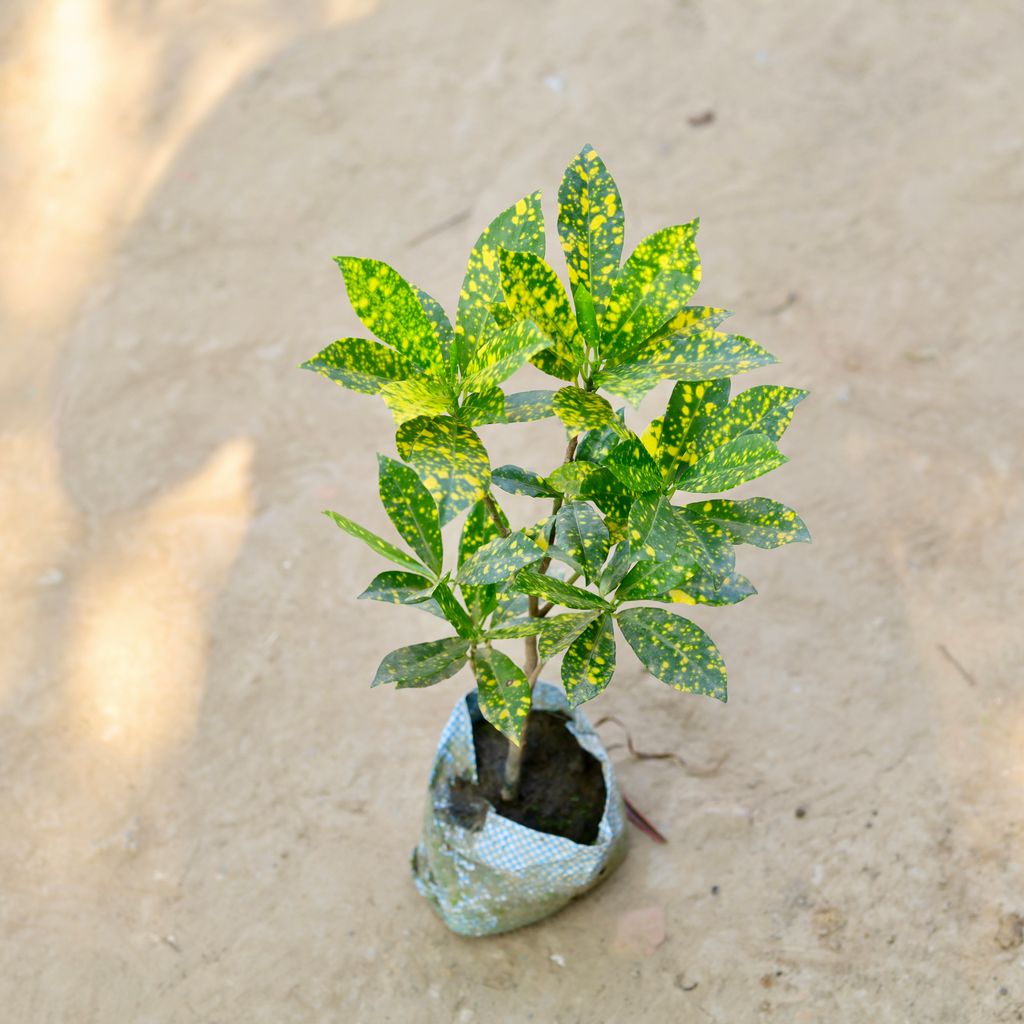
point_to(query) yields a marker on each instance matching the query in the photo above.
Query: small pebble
(715, 890)
(801, 812)
(557, 958)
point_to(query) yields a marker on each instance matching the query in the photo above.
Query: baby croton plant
(632, 526)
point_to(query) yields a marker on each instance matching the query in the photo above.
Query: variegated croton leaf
(503, 692)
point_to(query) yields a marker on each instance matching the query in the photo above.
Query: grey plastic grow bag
(490, 875)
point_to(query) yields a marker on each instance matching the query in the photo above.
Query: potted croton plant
(523, 811)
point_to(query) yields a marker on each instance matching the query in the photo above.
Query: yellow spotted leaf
(589, 662)
(503, 692)
(361, 365)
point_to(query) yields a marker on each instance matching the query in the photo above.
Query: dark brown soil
(561, 788)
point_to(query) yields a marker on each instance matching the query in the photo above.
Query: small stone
(801, 812)
(558, 959)
(1011, 931)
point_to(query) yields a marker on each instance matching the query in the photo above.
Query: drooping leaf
(583, 536)
(561, 630)
(569, 478)
(498, 559)
(503, 692)
(765, 409)
(690, 407)
(675, 650)
(589, 663)
(632, 464)
(361, 365)
(703, 589)
(591, 224)
(390, 307)
(450, 459)
(501, 352)
(759, 521)
(516, 630)
(653, 286)
(378, 544)
(744, 458)
(423, 664)
(525, 406)
(557, 591)
(516, 480)
(454, 612)
(583, 410)
(411, 508)
(652, 527)
(534, 293)
(394, 587)
(487, 406)
(520, 227)
(419, 396)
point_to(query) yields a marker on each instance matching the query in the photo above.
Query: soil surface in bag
(561, 789)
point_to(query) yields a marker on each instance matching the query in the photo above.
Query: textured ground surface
(205, 811)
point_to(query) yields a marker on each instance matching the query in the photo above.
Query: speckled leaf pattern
(557, 591)
(735, 462)
(411, 508)
(649, 578)
(689, 409)
(378, 544)
(696, 355)
(419, 396)
(764, 410)
(632, 464)
(526, 406)
(487, 406)
(498, 559)
(589, 663)
(591, 224)
(675, 650)
(583, 410)
(534, 293)
(408, 588)
(520, 227)
(603, 488)
(595, 445)
(706, 541)
(361, 365)
(501, 353)
(423, 664)
(616, 568)
(454, 612)
(586, 316)
(516, 480)
(443, 330)
(703, 589)
(390, 307)
(655, 283)
(582, 535)
(560, 631)
(517, 630)
(478, 530)
(570, 478)
(503, 692)
(763, 522)
(450, 459)
(511, 607)
(687, 319)
(652, 527)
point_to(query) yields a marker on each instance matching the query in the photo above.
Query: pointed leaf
(478, 529)
(390, 307)
(561, 630)
(570, 478)
(765, 409)
(503, 692)
(454, 612)
(590, 224)
(411, 508)
(735, 462)
(691, 406)
(420, 396)
(517, 629)
(516, 480)
(525, 406)
(393, 587)
(361, 365)
(583, 410)
(759, 521)
(443, 330)
(379, 544)
(582, 535)
(652, 527)
(589, 663)
(498, 559)
(450, 459)
(675, 650)
(703, 589)
(557, 591)
(501, 352)
(487, 406)
(616, 568)
(649, 578)
(423, 664)
(586, 316)
(632, 464)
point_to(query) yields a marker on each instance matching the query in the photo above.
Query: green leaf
(616, 568)
(689, 318)
(516, 480)
(361, 365)
(408, 588)
(696, 355)
(454, 612)
(516, 630)
(706, 541)
(589, 663)
(557, 591)
(498, 559)
(500, 353)
(390, 307)
(595, 445)
(534, 293)
(655, 283)
(511, 608)
(561, 630)
(690, 407)
(652, 527)
(420, 396)
(703, 589)
(759, 521)
(570, 478)
(503, 692)
(379, 544)
(633, 466)
(675, 650)
(765, 409)
(487, 406)
(582, 536)
(649, 578)
(450, 459)
(605, 490)
(442, 326)
(423, 664)
(586, 316)
(735, 462)
(411, 508)
(525, 406)
(519, 227)
(591, 224)
(583, 410)
(478, 529)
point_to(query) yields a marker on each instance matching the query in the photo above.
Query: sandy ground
(206, 813)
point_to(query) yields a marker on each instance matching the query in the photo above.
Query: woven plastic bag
(489, 874)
